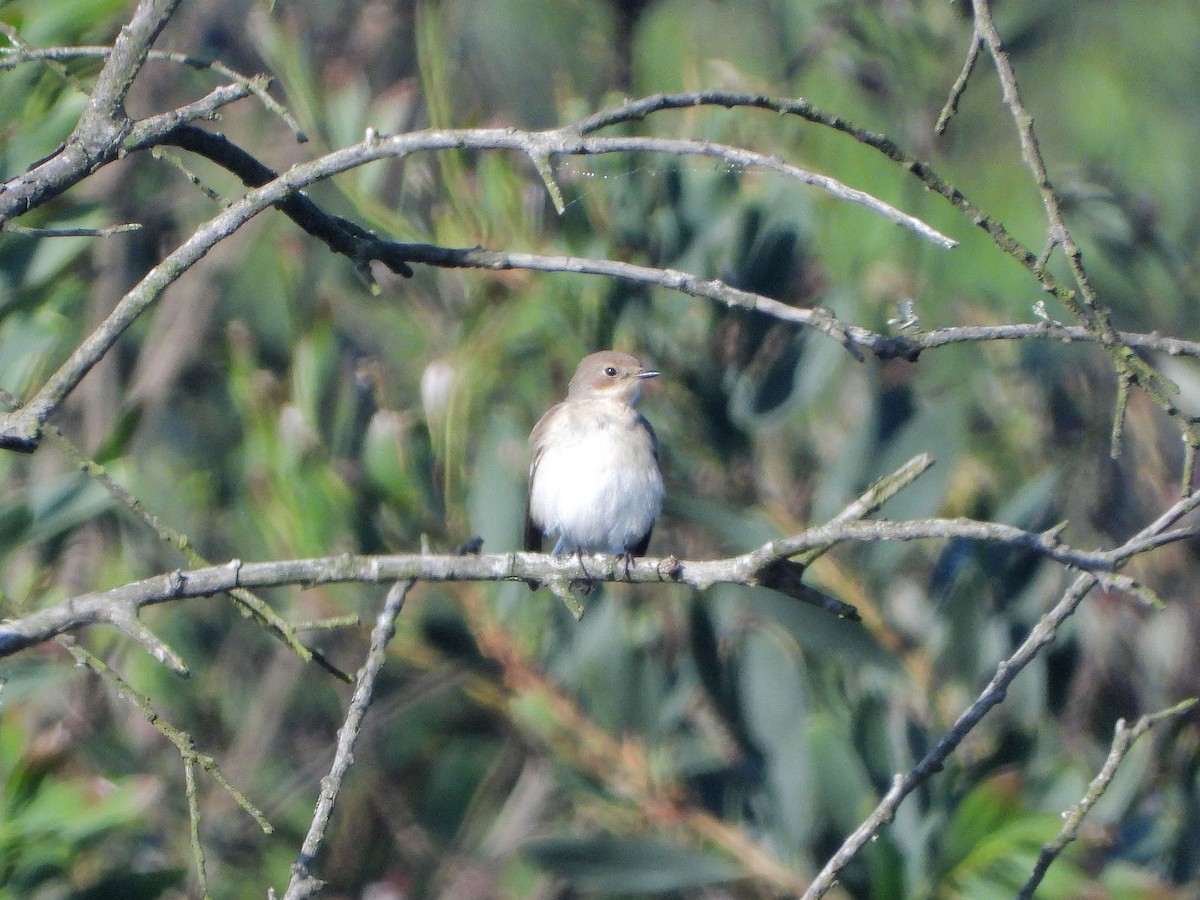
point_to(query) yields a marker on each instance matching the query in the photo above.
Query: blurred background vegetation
(272, 407)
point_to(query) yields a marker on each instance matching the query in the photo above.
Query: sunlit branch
(20, 430)
(123, 602)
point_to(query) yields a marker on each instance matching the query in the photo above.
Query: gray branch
(119, 604)
(98, 135)
(1123, 740)
(303, 883)
(1042, 634)
(20, 430)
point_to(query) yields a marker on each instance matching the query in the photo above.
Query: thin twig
(176, 163)
(148, 132)
(1084, 304)
(1120, 409)
(252, 604)
(14, 228)
(183, 743)
(255, 84)
(193, 801)
(303, 884)
(1123, 741)
(749, 159)
(872, 499)
(960, 84)
(20, 48)
(1042, 634)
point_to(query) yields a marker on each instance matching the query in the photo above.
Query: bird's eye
(610, 372)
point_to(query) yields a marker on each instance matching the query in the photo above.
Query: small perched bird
(594, 480)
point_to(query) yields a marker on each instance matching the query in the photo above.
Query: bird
(595, 484)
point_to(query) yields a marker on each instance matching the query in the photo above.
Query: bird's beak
(646, 373)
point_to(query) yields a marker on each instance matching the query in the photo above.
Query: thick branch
(128, 55)
(101, 129)
(113, 605)
(342, 235)
(20, 430)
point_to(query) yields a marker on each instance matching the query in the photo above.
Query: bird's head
(609, 375)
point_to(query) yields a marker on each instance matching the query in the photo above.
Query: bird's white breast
(596, 482)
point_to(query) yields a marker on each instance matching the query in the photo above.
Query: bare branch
(125, 61)
(341, 235)
(149, 132)
(255, 84)
(537, 568)
(183, 743)
(189, 790)
(14, 228)
(303, 884)
(786, 575)
(1126, 362)
(751, 160)
(1123, 742)
(960, 84)
(1042, 634)
(98, 135)
(1086, 304)
(20, 430)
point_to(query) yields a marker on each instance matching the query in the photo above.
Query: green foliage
(608, 866)
(59, 830)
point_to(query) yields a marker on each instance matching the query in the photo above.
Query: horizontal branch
(118, 604)
(109, 231)
(882, 346)
(11, 57)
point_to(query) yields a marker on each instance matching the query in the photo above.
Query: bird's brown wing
(533, 531)
(645, 423)
(639, 549)
(643, 543)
